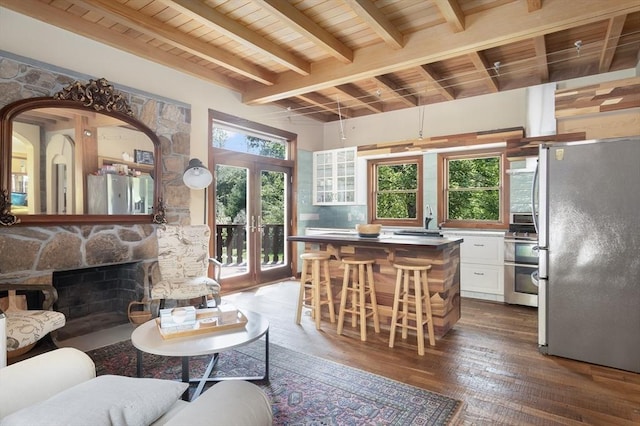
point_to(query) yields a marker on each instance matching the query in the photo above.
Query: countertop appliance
(520, 260)
(589, 245)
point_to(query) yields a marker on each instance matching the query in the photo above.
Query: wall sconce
(196, 175)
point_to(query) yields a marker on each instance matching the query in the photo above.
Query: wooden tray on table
(206, 322)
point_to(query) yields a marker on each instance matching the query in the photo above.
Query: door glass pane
(231, 219)
(272, 219)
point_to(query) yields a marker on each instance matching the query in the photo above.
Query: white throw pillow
(106, 400)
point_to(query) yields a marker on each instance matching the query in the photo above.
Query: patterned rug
(304, 389)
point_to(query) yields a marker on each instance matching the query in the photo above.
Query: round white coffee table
(147, 338)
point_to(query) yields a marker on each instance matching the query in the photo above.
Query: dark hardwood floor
(489, 360)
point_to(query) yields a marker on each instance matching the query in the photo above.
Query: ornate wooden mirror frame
(97, 97)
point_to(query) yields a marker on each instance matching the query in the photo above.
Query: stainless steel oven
(520, 261)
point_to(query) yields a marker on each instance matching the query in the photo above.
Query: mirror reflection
(67, 161)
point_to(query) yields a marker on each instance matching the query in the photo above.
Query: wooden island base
(443, 277)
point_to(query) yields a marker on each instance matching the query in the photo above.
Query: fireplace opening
(96, 298)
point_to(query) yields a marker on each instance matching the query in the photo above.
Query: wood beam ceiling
(167, 34)
(453, 14)
(60, 18)
(210, 18)
(370, 13)
(490, 29)
(305, 26)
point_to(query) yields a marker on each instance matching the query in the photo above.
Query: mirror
(79, 157)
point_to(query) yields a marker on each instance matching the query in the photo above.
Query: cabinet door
(334, 177)
(323, 177)
(482, 278)
(483, 250)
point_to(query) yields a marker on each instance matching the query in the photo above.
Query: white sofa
(61, 387)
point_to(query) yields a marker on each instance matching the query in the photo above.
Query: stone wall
(30, 254)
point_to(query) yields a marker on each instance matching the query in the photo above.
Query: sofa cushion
(105, 400)
(228, 403)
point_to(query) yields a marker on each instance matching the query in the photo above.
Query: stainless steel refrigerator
(589, 258)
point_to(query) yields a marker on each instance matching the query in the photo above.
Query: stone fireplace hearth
(97, 298)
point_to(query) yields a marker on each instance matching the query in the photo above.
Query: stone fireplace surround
(96, 270)
(31, 254)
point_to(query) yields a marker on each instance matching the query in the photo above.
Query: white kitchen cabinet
(334, 177)
(481, 264)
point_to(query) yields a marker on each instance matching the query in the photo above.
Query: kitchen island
(444, 275)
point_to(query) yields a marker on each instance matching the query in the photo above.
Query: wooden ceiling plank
(400, 93)
(541, 58)
(614, 30)
(174, 37)
(296, 109)
(482, 66)
(434, 80)
(368, 101)
(369, 12)
(452, 13)
(305, 26)
(493, 28)
(209, 17)
(324, 104)
(59, 18)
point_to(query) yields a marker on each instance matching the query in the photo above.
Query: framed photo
(143, 157)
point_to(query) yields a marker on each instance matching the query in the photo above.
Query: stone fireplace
(97, 298)
(96, 269)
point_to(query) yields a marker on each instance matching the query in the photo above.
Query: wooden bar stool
(315, 280)
(411, 301)
(362, 285)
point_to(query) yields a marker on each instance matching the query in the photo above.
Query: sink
(419, 232)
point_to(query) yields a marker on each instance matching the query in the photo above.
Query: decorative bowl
(368, 230)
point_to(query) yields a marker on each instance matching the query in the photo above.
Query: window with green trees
(473, 188)
(396, 191)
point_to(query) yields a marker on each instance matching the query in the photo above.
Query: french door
(251, 205)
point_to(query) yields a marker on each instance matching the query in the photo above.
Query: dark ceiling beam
(323, 103)
(433, 81)
(614, 30)
(540, 48)
(485, 70)
(398, 92)
(360, 97)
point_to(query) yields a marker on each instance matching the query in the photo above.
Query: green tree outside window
(473, 189)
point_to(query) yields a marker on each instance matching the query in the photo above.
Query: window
(396, 191)
(248, 141)
(473, 189)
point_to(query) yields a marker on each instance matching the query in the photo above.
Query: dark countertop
(382, 241)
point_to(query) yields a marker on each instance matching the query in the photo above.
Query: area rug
(304, 389)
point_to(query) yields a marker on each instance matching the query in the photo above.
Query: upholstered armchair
(181, 272)
(24, 328)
